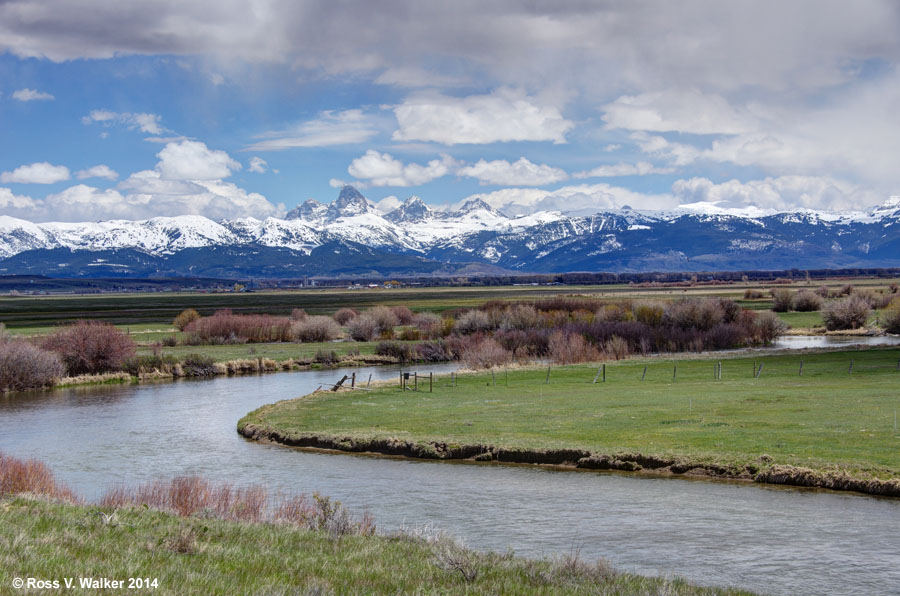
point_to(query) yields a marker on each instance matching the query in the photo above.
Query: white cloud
(403, 76)
(504, 115)
(519, 173)
(387, 204)
(581, 199)
(193, 160)
(641, 168)
(10, 201)
(777, 194)
(258, 165)
(338, 183)
(381, 169)
(98, 171)
(31, 95)
(349, 127)
(148, 123)
(678, 111)
(36, 173)
(678, 154)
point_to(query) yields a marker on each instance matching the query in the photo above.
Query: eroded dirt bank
(766, 472)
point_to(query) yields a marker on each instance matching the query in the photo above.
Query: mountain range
(349, 237)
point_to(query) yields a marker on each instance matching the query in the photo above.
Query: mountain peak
(477, 204)
(413, 209)
(310, 210)
(349, 202)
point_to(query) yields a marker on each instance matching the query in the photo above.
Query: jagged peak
(349, 202)
(477, 204)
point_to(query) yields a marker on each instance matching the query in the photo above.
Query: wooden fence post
(644, 374)
(759, 370)
(493, 378)
(369, 382)
(416, 381)
(430, 382)
(597, 376)
(353, 380)
(674, 372)
(547, 382)
(850, 370)
(800, 374)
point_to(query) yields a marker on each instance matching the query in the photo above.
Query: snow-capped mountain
(349, 236)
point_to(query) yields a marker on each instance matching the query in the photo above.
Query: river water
(766, 539)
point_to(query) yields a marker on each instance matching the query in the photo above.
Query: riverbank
(174, 555)
(823, 419)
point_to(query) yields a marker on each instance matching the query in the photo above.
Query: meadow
(831, 414)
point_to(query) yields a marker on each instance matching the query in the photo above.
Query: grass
(802, 320)
(826, 417)
(196, 555)
(276, 351)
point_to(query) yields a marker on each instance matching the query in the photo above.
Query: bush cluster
(90, 347)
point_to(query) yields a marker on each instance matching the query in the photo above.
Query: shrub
(91, 347)
(403, 314)
(329, 357)
(694, 313)
(400, 351)
(185, 318)
(434, 351)
(750, 294)
(298, 314)
(894, 287)
(472, 321)
(532, 343)
(768, 327)
(822, 291)
(569, 348)
(782, 300)
(483, 352)
(362, 328)
(850, 312)
(428, 323)
(169, 341)
(616, 347)
(384, 317)
(806, 301)
(649, 313)
(138, 365)
(410, 334)
(26, 366)
(520, 316)
(197, 365)
(315, 329)
(891, 317)
(30, 476)
(344, 316)
(226, 327)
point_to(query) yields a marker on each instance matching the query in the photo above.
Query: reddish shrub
(298, 314)
(428, 324)
(569, 348)
(434, 351)
(226, 327)
(26, 366)
(362, 328)
(473, 321)
(403, 314)
(483, 352)
(30, 476)
(315, 329)
(91, 347)
(384, 317)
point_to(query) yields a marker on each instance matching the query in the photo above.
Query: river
(766, 539)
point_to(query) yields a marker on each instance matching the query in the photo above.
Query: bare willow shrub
(403, 314)
(315, 329)
(571, 348)
(91, 347)
(694, 313)
(428, 324)
(782, 300)
(822, 291)
(362, 328)
(649, 313)
(185, 318)
(26, 366)
(384, 317)
(30, 476)
(768, 327)
(613, 313)
(751, 294)
(806, 301)
(520, 316)
(616, 347)
(473, 321)
(298, 314)
(345, 315)
(483, 352)
(850, 312)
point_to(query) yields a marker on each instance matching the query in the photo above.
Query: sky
(229, 109)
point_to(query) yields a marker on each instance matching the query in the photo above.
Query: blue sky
(135, 110)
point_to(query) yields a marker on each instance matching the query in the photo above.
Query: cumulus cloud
(258, 165)
(387, 204)
(774, 194)
(36, 173)
(193, 160)
(330, 128)
(149, 123)
(31, 95)
(519, 173)
(98, 171)
(678, 111)
(381, 169)
(504, 115)
(641, 168)
(13, 202)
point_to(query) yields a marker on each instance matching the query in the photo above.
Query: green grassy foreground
(50, 541)
(829, 418)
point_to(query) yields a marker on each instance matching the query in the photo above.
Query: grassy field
(194, 555)
(276, 351)
(828, 416)
(159, 308)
